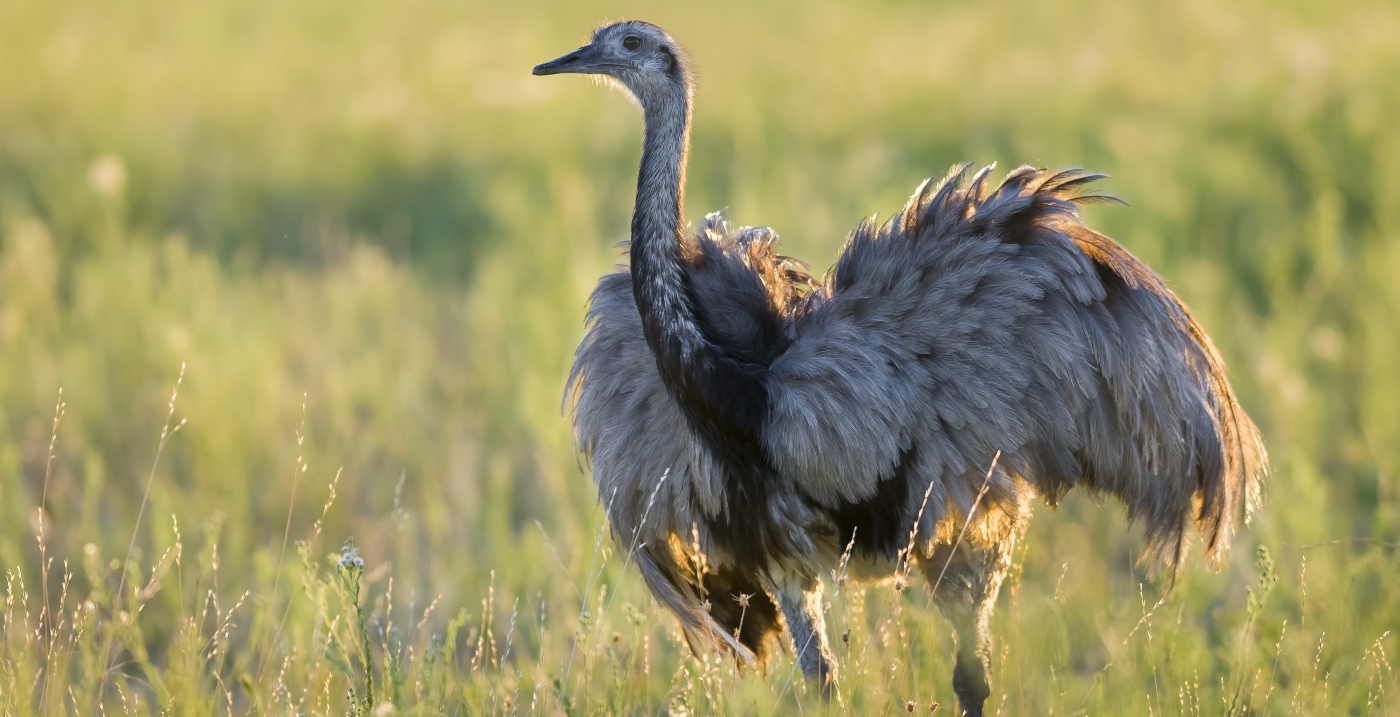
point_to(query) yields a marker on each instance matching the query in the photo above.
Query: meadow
(288, 293)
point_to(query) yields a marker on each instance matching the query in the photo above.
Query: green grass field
(366, 233)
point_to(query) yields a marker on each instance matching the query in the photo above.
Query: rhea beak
(581, 61)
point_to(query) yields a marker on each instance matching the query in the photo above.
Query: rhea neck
(658, 225)
(724, 400)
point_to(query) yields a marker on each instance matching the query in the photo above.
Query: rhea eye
(631, 43)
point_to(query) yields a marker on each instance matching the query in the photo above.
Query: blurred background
(365, 224)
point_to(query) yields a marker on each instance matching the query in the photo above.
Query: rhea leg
(801, 604)
(965, 591)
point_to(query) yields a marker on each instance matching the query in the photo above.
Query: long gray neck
(725, 400)
(658, 229)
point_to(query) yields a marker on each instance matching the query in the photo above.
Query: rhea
(752, 428)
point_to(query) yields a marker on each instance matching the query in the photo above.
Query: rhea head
(638, 55)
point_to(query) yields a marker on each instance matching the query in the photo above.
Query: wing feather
(978, 321)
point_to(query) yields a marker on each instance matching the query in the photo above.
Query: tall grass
(367, 234)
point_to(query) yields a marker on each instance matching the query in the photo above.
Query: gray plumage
(746, 422)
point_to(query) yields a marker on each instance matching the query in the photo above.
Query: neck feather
(658, 229)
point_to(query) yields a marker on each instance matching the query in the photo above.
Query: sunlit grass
(354, 646)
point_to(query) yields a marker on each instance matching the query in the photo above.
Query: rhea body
(751, 427)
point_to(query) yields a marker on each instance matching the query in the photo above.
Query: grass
(366, 234)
